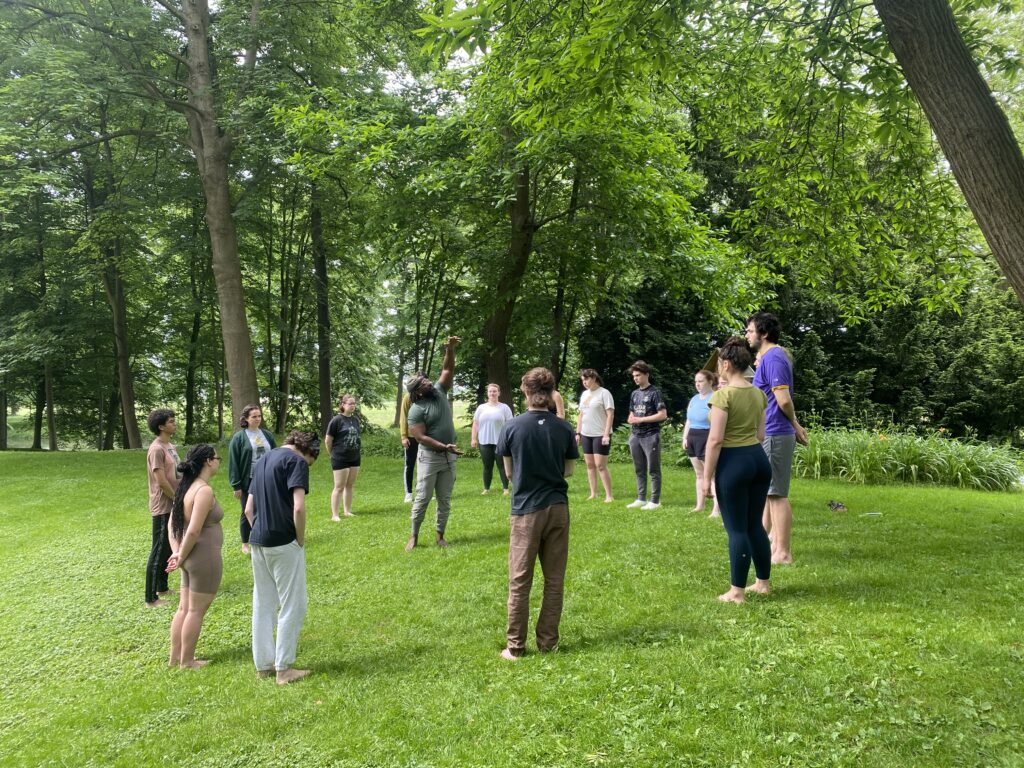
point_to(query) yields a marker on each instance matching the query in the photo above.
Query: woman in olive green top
(737, 464)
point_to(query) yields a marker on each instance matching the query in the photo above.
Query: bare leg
(591, 474)
(350, 483)
(698, 467)
(601, 463)
(176, 624)
(716, 511)
(199, 603)
(336, 493)
(782, 526)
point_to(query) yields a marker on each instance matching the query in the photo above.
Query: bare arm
(328, 442)
(202, 503)
(559, 404)
(570, 465)
(448, 366)
(419, 433)
(653, 419)
(472, 437)
(248, 511)
(507, 461)
(165, 485)
(785, 400)
(719, 418)
(299, 515)
(609, 421)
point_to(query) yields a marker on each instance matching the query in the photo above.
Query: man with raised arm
(432, 427)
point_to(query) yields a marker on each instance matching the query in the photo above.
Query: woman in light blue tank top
(695, 432)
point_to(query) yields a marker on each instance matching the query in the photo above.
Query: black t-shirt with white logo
(538, 443)
(273, 479)
(646, 402)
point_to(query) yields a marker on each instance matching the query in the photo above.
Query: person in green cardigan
(249, 444)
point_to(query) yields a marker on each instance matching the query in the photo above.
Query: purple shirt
(773, 372)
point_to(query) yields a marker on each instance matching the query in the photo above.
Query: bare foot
(782, 559)
(350, 514)
(156, 603)
(507, 655)
(286, 676)
(263, 674)
(485, 491)
(608, 500)
(195, 664)
(504, 491)
(245, 549)
(715, 514)
(697, 509)
(167, 592)
(591, 497)
(734, 595)
(411, 544)
(442, 543)
(760, 587)
(335, 519)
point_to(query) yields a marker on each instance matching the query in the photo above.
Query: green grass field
(896, 639)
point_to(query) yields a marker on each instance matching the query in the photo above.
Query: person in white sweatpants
(277, 511)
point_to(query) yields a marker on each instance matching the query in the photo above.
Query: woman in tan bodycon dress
(196, 540)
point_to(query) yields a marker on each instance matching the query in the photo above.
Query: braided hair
(190, 468)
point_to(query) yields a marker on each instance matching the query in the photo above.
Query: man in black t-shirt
(647, 411)
(276, 509)
(539, 452)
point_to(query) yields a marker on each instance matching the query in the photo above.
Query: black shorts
(593, 447)
(344, 462)
(697, 443)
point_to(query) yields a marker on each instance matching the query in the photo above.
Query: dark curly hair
(190, 468)
(306, 442)
(767, 326)
(736, 353)
(158, 418)
(538, 384)
(590, 373)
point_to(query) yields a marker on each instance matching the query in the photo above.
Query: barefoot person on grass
(431, 425)
(774, 376)
(539, 452)
(197, 539)
(248, 445)
(736, 463)
(161, 472)
(695, 432)
(277, 513)
(487, 422)
(344, 443)
(594, 431)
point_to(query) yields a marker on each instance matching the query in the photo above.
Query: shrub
(878, 457)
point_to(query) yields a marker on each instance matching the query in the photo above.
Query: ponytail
(189, 469)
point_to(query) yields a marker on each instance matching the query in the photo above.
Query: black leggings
(156, 567)
(410, 463)
(741, 481)
(489, 460)
(244, 529)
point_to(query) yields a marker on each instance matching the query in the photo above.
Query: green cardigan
(240, 457)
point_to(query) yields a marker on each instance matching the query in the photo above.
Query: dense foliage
(561, 183)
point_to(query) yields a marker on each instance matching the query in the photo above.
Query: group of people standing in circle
(739, 436)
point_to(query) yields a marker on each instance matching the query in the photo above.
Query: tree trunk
(323, 317)
(3, 415)
(559, 323)
(496, 328)
(37, 416)
(51, 421)
(212, 147)
(195, 275)
(114, 287)
(113, 406)
(971, 128)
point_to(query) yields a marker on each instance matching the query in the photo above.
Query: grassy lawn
(895, 640)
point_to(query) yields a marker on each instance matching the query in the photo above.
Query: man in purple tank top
(774, 376)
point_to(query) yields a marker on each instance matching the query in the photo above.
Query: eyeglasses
(215, 457)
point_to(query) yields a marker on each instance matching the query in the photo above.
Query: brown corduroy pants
(543, 534)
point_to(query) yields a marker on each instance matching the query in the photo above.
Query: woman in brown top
(196, 538)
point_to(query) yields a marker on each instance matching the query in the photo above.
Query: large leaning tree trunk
(323, 315)
(212, 147)
(971, 128)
